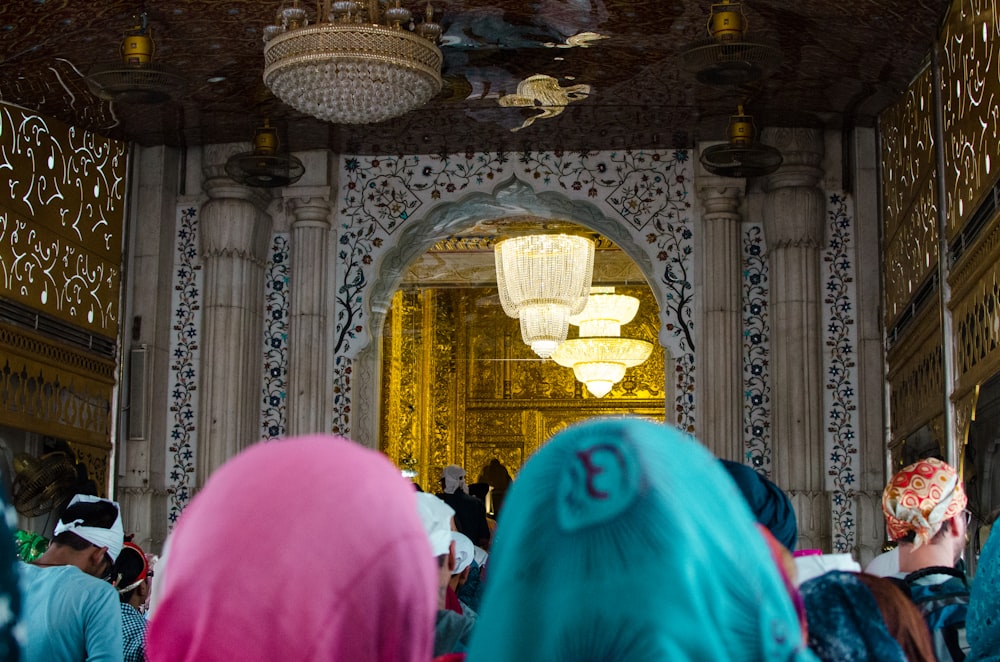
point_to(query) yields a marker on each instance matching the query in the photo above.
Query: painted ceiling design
(616, 61)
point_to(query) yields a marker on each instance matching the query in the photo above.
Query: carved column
(234, 233)
(720, 354)
(307, 315)
(794, 212)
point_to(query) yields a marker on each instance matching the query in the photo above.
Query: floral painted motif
(274, 406)
(184, 362)
(839, 364)
(756, 352)
(647, 190)
(342, 395)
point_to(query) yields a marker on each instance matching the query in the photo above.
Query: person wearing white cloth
(69, 612)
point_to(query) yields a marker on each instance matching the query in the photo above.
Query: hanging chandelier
(600, 356)
(358, 63)
(544, 279)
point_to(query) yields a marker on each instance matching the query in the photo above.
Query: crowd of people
(620, 539)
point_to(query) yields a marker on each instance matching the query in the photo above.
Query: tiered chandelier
(543, 280)
(358, 63)
(600, 356)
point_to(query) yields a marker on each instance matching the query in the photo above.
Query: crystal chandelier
(543, 280)
(359, 63)
(600, 356)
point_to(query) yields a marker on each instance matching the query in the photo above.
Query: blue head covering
(10, 596)
(982, 623)
(845, 622)
(769, 503)
(623, 539)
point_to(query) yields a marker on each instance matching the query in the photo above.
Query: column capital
(309, 209)
(802, 151)
(721, 195)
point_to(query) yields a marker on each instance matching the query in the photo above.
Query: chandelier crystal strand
(348, 70)
(543, 279)
(600, 356)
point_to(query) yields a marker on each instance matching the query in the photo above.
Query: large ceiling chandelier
(358, 63)
(600, 356)
(543, 280)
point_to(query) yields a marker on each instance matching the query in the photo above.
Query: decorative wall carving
(916, 377)
(55, 390)
(61, 219)
(274, 406)
(971, 97)
(909, 195)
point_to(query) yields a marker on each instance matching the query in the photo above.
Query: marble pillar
(307, 325)
(720, 351)
(794, 227)
(234, 235)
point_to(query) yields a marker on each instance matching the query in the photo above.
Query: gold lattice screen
(61, 211)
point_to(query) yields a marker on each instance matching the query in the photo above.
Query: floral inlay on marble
(839, 364)
(184, 365)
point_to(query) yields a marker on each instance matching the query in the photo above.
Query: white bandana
(113, 538)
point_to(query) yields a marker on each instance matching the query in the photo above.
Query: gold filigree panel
(906, 132)
(460, 386)
(916, 376)
(54, 390)
(61, 219)
(911, 255)
(976, 320)
(971, 103)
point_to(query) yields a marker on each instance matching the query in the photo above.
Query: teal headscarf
(623, 539)
(982, 624)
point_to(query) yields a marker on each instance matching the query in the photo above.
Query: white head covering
(464, 552)
(454, 479)
(113, 538)
(479, 555)
(436, 516)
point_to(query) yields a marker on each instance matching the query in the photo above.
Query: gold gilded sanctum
(459, 386)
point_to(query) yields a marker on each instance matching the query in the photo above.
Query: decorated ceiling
(614, 64)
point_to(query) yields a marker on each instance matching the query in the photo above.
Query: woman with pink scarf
(302, 549)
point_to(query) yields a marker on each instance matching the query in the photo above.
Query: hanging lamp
(600, 356)
(543, 279)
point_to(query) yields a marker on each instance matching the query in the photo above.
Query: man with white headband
(925, 512)
(68, 611)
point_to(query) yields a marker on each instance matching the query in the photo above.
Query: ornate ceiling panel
(843, 62)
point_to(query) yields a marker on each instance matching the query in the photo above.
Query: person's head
(768, 502)
(924, 504)
(845, 622)
(131, 575)
(89, 535)
(464, 554)
(436, 518)
(609, 549)
(304, 548)
(453, 479)
(902, 618)
(982, 621)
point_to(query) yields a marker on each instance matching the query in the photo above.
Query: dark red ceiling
(843, 62)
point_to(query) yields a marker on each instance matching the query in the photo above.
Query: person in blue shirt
(68, 611)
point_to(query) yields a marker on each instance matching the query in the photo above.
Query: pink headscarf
(304, 549)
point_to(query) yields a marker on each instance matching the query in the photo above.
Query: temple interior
(203, 254)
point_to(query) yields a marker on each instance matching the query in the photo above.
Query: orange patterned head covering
(921, 498)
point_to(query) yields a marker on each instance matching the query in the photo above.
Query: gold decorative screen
(909, 209)
(970, 89)
(61, 215)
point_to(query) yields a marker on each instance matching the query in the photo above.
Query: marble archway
(511, 198)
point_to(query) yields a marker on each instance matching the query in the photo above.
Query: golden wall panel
(906, 132)
(911, 255)
(61, 219)
(460, 386)
(97, 460)
(55, 390)
(976, 323)
(971, 103)
(916, 376)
